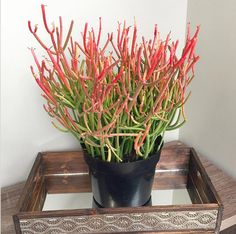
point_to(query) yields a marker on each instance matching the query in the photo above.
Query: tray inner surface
(60, 180)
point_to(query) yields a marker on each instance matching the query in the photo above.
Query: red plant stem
(165, 46)
(63, 120)
(197, 31)
(58, 69)
(144, 136)
(72, 47)
(150, 47)
(136, 142)
(176, 45)
(114, 47)
(58, 39)
(167, 40)
(30, 28)
(45, 20)
(191, 66)
(95, 68)
(35, 59)
(99, 32)
(118, 34)
(45, 67)
(61, 31)
(188, 32)
(93, 36)
(84, 88)
(113, 65)
(85, 53)
(156, 57)
(74, 61)
(125, 49)
(192, 49)
(90, 43)
(146, 53)
(84, 36)
(155, 38)
(171, 54)
(189, 48)
(106, 44)
(37, 38)
(134, 40)
(45, 90)
(65, 62)
(158, 100)
(68, 35)
(122, 35)
(139, 63)
(54, 44)
(118, 75)
(111, 134)
(71, 120)
(103, 70)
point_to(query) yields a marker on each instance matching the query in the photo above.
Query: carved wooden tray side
(66, 172)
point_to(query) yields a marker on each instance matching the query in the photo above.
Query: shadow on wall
(57, 142)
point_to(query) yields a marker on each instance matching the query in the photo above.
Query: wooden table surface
(224, 184)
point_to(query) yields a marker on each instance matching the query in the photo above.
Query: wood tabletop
(224, 184)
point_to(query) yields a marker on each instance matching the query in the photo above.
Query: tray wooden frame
(66, 172)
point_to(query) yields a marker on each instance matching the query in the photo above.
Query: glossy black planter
(122, 184)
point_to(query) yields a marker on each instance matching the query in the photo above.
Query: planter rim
(98, 160)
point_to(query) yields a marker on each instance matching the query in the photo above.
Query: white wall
(25, 127)
(212, 108)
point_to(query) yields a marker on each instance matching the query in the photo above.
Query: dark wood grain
(38, 196)
(172, 169)
(9, 199)
(201, 175)
(224, 185)
(29, 188)
(230, 230)
(203, 185)
(170, 179)
(63, 162)
(67, 184)
(174, 158)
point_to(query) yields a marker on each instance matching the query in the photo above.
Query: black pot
(96, 205)
(122, 184)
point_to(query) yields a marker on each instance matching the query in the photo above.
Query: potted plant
(117, 102)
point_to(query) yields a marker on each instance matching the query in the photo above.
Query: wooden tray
(66, 172)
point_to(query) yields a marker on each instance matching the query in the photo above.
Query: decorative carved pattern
(109, 223)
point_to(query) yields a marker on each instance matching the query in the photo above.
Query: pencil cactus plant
(114, 102)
